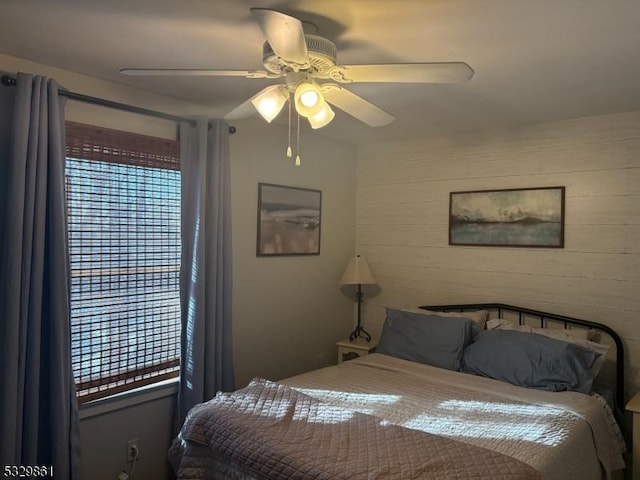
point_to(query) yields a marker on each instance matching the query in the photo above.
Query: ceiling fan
(312, 78)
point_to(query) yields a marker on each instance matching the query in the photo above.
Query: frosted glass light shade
(358, 272)
(322, 118)
(269, 102)
(308, 99)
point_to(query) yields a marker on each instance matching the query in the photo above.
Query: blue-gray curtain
(206, 364)
(38, 408)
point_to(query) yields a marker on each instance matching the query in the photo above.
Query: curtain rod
(9, 81)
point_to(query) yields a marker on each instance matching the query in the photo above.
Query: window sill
(138, 396)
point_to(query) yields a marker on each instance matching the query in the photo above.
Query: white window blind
(123, 200)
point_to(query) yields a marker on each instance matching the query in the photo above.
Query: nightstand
(634, 407)
(348, 350)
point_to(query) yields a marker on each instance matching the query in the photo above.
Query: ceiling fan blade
(443, 72)
(285, 35)
(356, 106)
(197, 72)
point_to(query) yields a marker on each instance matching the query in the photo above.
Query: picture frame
(513, 217)
(289, 220)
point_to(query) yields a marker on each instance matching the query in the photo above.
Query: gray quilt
(271, 431)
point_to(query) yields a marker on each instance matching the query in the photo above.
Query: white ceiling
(535, 60)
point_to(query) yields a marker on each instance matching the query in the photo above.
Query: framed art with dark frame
(514, 217)
(289, 220)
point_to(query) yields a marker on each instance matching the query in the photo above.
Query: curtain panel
(206, 364)
(38, 408)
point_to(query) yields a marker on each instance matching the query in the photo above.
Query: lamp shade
(358, 272)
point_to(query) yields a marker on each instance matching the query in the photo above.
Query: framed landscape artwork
(288, 220)
(517, 217)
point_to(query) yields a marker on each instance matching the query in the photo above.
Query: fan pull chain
(289, 153)
(298, 143)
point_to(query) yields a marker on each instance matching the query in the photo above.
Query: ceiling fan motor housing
(322, 56)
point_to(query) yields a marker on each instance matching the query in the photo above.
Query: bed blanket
(278, 433)
(563, 435)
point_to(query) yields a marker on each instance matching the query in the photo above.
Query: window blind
(123, 201)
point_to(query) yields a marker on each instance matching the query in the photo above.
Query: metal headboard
(527, 313)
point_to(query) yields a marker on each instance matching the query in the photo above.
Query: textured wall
(402, 222)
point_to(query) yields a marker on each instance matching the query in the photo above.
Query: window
(123, 203)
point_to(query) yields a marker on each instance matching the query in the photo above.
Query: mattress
(562, 435)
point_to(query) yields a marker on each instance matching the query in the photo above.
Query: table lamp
(358, 273)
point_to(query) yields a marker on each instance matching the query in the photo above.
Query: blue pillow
(424, 338)
(530, 360)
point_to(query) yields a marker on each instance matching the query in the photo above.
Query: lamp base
(359, 332)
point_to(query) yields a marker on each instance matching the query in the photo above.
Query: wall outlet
(133, 450)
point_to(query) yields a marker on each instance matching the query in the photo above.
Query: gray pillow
(530, 360)
(430, 339)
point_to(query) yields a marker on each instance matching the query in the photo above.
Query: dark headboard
(545, 317)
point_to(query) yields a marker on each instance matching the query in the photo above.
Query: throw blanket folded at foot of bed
(277, 433)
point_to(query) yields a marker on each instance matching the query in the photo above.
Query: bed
(431, 412)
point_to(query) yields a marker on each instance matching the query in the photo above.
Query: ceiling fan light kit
(304, 60)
